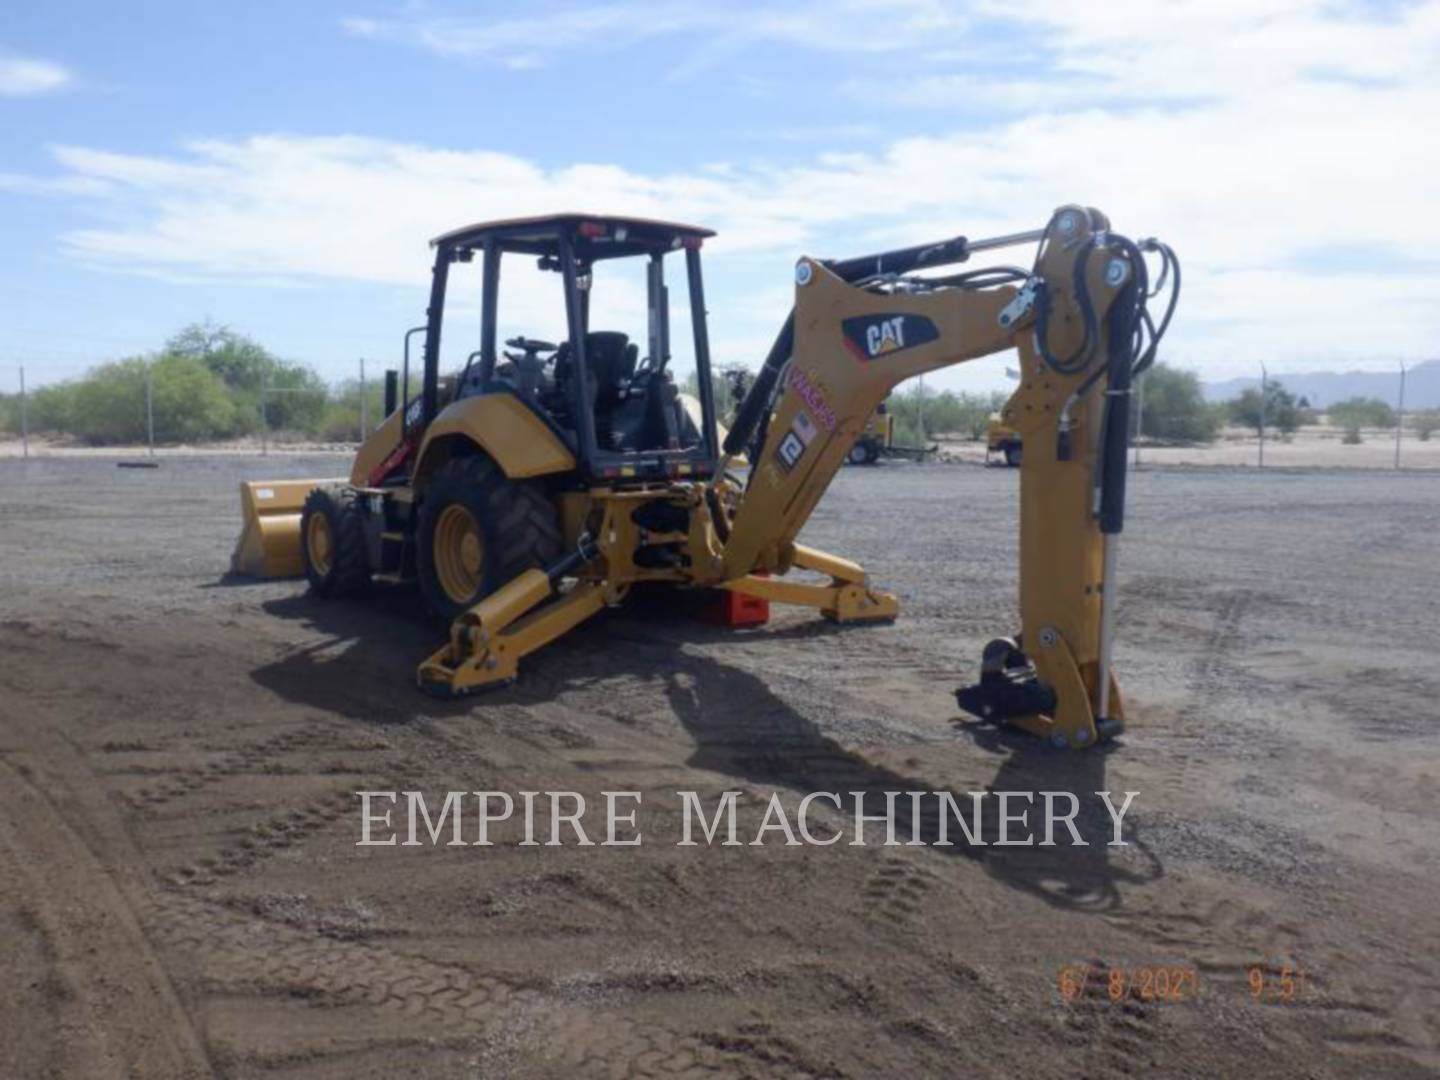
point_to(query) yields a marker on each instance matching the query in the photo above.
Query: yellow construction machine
(1002, 439)
(876, 437)
(877, 440)
(544, 480)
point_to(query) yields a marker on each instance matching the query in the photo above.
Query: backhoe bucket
(269, 544)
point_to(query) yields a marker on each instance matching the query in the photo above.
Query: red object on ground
(738, 609)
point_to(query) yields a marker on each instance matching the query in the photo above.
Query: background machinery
(876, 437)
(542, 482)
(1004, 440)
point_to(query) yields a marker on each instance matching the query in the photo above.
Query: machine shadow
(744, 730)
(740, 727)
(353, 673)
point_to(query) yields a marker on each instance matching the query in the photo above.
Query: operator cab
(606, 389)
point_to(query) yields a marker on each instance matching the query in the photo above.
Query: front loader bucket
(269, 544)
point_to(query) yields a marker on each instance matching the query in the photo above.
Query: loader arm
(850, 342)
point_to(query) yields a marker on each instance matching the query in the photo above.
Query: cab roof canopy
(596, 236)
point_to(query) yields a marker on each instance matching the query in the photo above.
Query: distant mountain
(1422, 385)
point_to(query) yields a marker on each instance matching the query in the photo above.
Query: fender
(513, 436)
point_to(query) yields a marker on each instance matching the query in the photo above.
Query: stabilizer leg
(847, 598)
(487, 642)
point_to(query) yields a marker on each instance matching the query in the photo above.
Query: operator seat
(610, 359)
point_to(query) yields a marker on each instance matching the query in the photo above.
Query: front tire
(332, 542)
(1013, 455)
(478, 530)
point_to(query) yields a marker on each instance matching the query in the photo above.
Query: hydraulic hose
(762, 390)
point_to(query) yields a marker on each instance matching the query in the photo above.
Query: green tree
(340, 421)
(1175, 408)
(108, 405)
(52, 408)
(1281, 412)
(295, 397)
(920, 412)
(1358, 412)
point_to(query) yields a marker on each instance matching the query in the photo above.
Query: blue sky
(280, 167)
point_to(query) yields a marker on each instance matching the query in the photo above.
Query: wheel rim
(459, 553)
(857, 454)
(320, 544)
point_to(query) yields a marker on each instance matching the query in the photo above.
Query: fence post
(364, 405)
(1400, 415)
(1139, 415)
(150, 406)
(24, 416)
(1264, 397)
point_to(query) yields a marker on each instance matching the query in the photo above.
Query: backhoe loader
(543, 480)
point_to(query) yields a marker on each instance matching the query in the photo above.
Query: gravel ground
(181, 893)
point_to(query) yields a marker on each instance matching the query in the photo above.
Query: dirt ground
(181, 893)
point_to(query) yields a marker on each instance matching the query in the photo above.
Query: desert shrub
(295, 397)
(1175, 408)
(340, 419)
(1358, 412)
(1425, 424)
(108, 405)
(1281, 412)
(920, 411)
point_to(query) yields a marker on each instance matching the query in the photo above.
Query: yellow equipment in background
(877, 437)
(1003, 440)
(542, 483)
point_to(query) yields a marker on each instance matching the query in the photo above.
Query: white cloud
(1268, 175)
(25, 76)
(529, 41)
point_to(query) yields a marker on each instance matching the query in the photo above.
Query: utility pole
(1400, 415)
(1264, 397)
(24, 416)
(150, 406)
(364, 404)
(264, 419)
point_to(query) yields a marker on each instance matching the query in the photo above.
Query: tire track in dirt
(268, 837)
(250, 759)
(1120, 1033)
(119, 1014)
(895, 892)
(1224, 938)
(235, 953)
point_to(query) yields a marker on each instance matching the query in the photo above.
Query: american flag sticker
(804, 427)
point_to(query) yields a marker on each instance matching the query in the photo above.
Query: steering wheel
(531, 346)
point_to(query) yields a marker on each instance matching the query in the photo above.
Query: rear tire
(332, 542)
(860, 453)
(478, 530)
(1013, 455)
